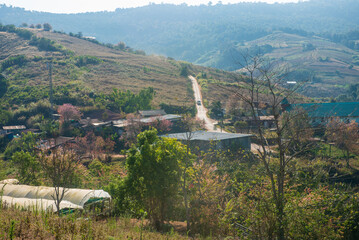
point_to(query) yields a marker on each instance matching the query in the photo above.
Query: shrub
(85, 60)
(13, 61)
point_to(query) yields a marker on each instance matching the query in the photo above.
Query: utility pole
(49, 66)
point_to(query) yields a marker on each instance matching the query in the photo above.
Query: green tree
(239, 126)
(184, 70)
(47, 27)
(153, 175)
(27, 167)
(5, 117)
(26, 143)
(3, 85)
(216, 109)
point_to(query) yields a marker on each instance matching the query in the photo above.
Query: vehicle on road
(199, 102)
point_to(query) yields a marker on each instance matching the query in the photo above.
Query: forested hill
(188, 32)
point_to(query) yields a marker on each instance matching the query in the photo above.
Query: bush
(13, 61)
(172, 109)
(3, 85)
(240, 126)
(26, 143)
(47, 27)
(45, 44)
(85, 60)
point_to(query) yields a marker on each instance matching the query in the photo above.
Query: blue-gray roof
(170, 117)
(343, 109)
(206, 136)
(150, 113)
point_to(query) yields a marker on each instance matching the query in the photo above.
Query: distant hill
(207, 34)
(188, 32)
(329, 67)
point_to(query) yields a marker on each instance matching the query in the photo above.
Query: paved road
(201, 110)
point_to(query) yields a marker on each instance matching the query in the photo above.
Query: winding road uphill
(201, 110)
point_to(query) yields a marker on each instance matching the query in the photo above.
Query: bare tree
(132, 128)
(92, 146)
(345, 136)
(261, 82)
(59, 167)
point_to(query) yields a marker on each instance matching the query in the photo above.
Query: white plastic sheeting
(37, 204)
(43, 197)
(9, 181)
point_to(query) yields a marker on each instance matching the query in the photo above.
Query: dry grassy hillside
(117, 69)
(332, 66)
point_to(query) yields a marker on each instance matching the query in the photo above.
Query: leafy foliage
(152, 179)
(28, 167)
(11, 61)
(26, 143)
(44, 44)
(3, 85)
(126, 101)
(85, 60)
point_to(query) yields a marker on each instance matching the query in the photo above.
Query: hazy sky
(75, 6)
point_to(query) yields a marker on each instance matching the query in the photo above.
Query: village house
(52, 143)
(13, 129)
(148, 118)
(213, 140)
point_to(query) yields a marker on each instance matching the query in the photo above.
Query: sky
(77, 6)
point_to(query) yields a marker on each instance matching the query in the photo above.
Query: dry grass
(30, 225)
(119, 69)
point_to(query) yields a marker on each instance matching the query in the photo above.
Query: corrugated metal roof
(161, 118)
(171, 117)
(343, 109)
(148, 113)
(19, 127)
(206, 136)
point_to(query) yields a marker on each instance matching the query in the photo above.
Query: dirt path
(201, 110)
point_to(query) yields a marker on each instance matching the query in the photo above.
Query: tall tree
(261, 83)
(153, 174)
